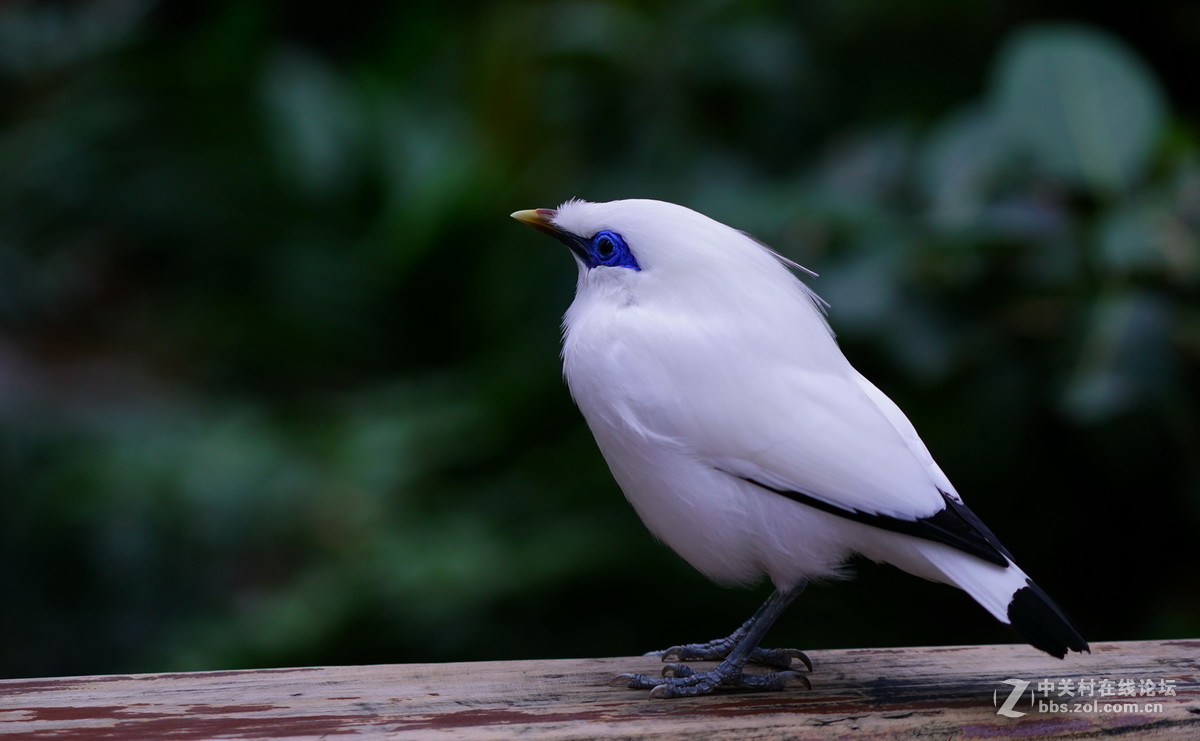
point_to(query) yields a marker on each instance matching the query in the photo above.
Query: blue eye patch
(605, 248)
(609, 249)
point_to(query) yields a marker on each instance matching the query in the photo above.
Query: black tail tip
(1038, 620)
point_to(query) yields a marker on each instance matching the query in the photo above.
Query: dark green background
(278, 375)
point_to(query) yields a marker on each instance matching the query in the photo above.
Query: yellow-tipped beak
(539, 218)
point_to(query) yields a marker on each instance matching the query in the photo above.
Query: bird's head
(644, 249)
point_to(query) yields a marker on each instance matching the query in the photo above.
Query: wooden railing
(1146, 689)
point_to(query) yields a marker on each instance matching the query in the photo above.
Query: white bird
(747, 442)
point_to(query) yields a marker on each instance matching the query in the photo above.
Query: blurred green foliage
(279, 381)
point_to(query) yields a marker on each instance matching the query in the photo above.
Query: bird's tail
(1006, 592)
(1039, 621)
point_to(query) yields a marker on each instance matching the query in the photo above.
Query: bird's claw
(711, 651)
(681, 680)
(776, 658)
(780, 658)
(634, 681)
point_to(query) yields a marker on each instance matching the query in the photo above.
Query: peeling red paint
(25, 687)
(86, 712)
(193, 728)
(1044, 726)
(231, 709)
(58, 684)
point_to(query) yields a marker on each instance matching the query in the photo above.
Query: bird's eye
(605, 247)
(609, 249)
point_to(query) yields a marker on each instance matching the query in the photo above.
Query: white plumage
(737, 428)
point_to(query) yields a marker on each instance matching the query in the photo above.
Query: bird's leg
(716, 650)
(680, 680)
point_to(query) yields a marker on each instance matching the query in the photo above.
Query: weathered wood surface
(950, 692)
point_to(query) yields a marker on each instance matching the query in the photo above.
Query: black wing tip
(1040, 622)
(953, 525)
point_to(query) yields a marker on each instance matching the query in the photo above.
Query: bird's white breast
(650, 379)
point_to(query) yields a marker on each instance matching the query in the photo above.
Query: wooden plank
(862, 693)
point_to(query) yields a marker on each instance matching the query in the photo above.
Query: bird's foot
(718, 650)
(680, 680)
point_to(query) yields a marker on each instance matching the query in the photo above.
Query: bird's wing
(828, 439)
(823, 434)
(907, 433)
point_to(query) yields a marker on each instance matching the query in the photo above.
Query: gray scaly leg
(680, 680)
(716, 650)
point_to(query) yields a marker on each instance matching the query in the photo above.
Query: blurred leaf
(1026, 216)
(957, 165)
(865, 169)
(313, 120)
(1081, 103)
(863, 294)
(1133, 239)
(922, 343)
(38, 37)
(753, 52)
(589, 27)
(1125, 358)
